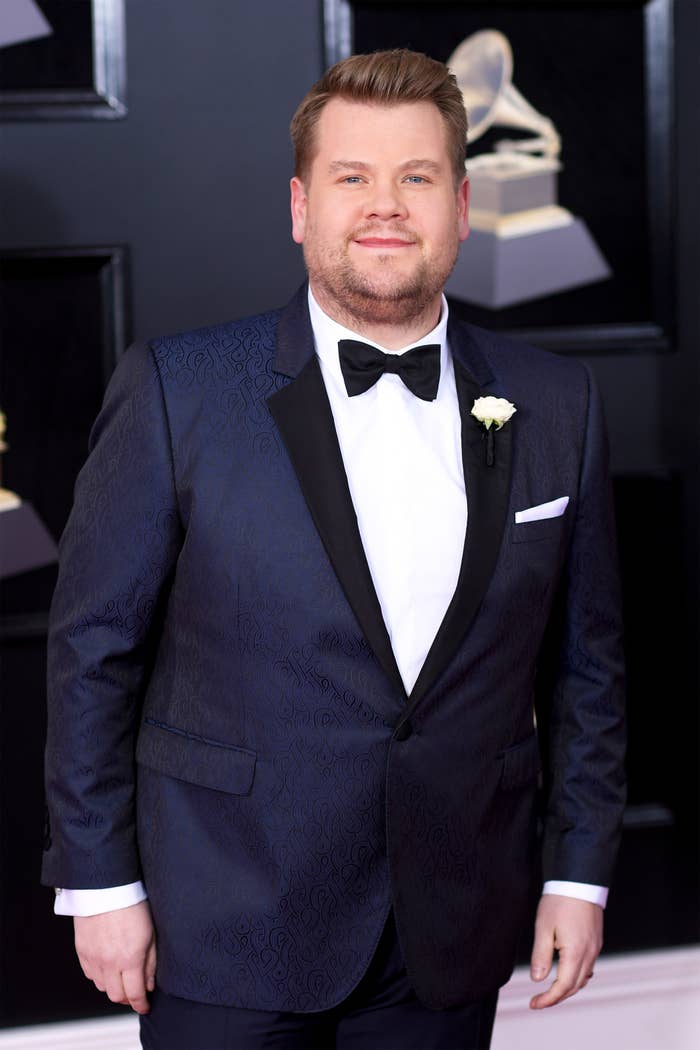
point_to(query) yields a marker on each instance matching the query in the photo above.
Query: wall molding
(639, 1001)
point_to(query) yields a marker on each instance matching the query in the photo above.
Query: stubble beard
(382, 298)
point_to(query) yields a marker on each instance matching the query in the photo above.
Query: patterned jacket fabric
(226, 721)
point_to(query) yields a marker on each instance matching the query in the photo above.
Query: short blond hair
(385, 78)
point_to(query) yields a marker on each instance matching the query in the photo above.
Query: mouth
(384, 243)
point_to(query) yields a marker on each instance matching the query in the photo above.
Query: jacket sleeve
(584, 698)
(116, 558)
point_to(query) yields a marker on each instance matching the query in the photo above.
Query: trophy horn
(483, 67)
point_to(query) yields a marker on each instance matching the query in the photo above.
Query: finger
(134, 982)
(114, 987)
(556, 993)
(542, 952)
(150, 968)
(87, 968)
(585, 958)
(94, 973)
(565, 984)
(587, 971)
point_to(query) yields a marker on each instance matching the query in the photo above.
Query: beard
(384, 296)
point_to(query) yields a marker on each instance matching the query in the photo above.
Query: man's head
(380, 197)
(384, 78)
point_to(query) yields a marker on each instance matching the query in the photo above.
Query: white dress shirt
(403, 460)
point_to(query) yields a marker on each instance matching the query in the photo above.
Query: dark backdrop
(190, 190)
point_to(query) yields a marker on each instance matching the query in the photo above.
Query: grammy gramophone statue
(8, 500)
(523, 244)
(25, 542)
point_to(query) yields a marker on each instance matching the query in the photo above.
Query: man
(303, 595)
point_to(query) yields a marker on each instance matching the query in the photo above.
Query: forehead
(371, 132)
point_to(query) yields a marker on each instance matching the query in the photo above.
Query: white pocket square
(554, 509)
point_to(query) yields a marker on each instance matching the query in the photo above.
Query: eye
(352, 180)
(416, 180)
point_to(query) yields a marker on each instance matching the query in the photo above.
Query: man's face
(379, 215)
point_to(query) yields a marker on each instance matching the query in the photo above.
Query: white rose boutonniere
(492, 413)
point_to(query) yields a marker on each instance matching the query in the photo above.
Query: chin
(380, 290)
(387, 282)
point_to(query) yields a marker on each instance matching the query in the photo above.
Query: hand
(117, 951)
(575, 928)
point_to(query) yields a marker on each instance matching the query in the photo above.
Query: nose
(384, 201)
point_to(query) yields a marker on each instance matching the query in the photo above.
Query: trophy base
(8, 500)
(25, 542)
(496, 271)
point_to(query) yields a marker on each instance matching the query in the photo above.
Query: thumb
(542, 952)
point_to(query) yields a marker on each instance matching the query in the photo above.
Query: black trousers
(382, 1013)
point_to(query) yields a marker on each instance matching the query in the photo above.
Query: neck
(391, 334)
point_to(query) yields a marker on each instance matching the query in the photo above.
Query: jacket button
(404, 731)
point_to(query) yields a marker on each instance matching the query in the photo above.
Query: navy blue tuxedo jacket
(227, 720)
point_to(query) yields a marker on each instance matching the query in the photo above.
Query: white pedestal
(496, 271)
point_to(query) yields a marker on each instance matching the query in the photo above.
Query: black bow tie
(362, 365)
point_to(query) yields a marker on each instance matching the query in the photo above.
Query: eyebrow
(424, 163)
(346, 165)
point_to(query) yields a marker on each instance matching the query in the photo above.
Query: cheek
(448, 230)
(329, 227)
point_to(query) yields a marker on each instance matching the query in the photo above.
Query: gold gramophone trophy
(25, 542)
(523, 244)
(8, 500)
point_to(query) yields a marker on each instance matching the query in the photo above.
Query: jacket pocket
(195, 759)
(524, 531)
(521, 763)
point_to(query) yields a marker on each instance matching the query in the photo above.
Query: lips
(383, 242)
(372, 237)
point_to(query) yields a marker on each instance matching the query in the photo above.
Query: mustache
(384, 231)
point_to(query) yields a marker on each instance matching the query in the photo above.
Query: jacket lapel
(303, 415)
(487, 501)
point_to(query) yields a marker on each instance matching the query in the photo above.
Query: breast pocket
(545, 528)
(542, 521)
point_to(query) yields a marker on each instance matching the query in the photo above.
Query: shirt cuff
(95, 902)
(584, 891)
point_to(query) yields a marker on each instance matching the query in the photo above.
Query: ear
(463, 210)
(298, 205)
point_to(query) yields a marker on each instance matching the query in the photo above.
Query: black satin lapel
(303, 415)
(487, 502)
